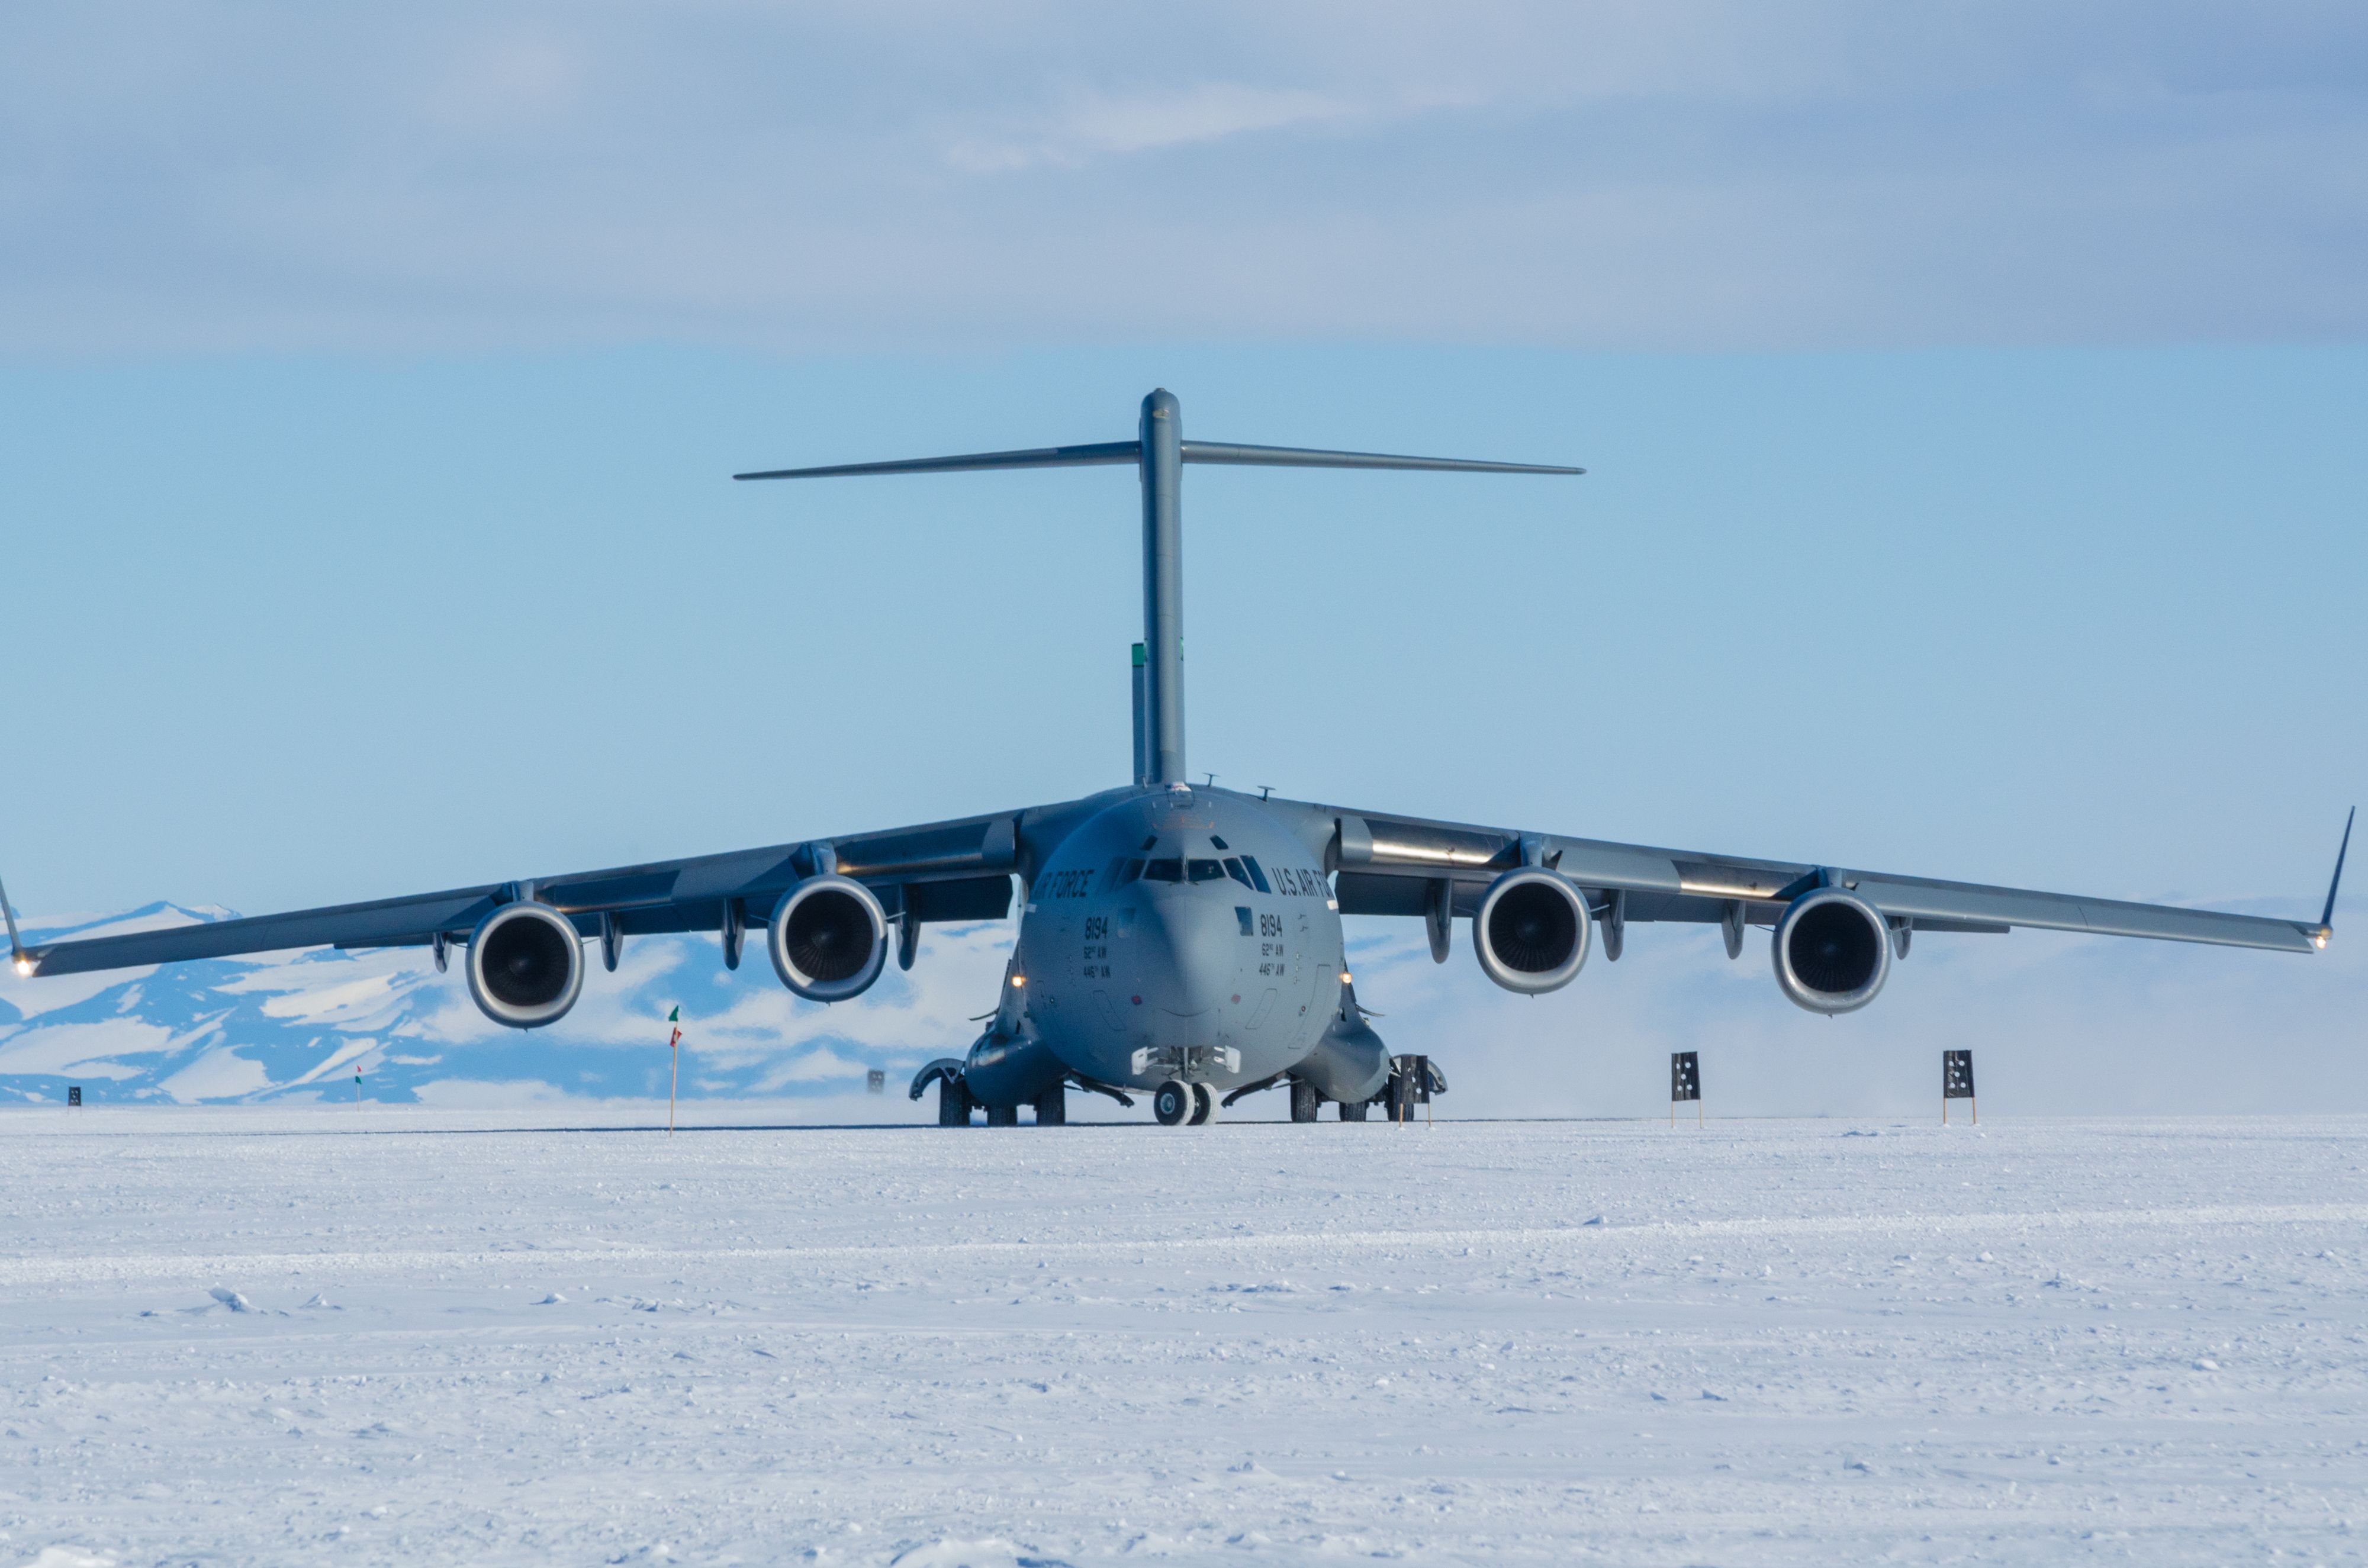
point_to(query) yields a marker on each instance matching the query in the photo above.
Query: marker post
(1957, 1084)
(674, 1051)
(1685, 1083)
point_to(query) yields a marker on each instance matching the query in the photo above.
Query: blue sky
(1973, 402)
(1709, 177)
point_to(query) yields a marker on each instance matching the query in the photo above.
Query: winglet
(18, 957)
(2327, 915)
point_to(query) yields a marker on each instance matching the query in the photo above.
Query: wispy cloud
(1099, 124)
(1707, 176)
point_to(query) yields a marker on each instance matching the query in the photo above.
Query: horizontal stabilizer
(1090, 456)
(1306, 457)
(1108, 452)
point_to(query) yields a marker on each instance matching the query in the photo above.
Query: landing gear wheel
(1172, 1102)
(1204, 1105)
(1003, 1116)
(1053, 1107)
(1352, 1112)
(1304, 1101)
(953, 1103)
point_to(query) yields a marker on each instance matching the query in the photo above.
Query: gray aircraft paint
(1129, 980)
(1232, 978)
(1163, 587)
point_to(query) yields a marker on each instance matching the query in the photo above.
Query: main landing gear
(1178, 1101)
(954, 1104)
(957, 1105)
(1412, 1081)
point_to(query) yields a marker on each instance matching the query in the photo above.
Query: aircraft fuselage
(1177, 934)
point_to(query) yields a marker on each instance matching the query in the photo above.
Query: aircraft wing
(1389, 865)
(937, 871)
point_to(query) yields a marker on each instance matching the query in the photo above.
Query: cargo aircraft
(1174, 939)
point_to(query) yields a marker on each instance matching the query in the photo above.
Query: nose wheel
(1177, 1102)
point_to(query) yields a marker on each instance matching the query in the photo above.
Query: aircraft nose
(1189, 940)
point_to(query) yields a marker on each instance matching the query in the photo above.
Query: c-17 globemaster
(1177, 940)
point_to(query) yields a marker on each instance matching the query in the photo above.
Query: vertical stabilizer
(1163, 584)
(1142, 735)
(1159, 452)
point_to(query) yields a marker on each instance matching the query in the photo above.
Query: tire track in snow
(143, 1266)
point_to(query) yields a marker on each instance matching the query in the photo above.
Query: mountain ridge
(296, 1025)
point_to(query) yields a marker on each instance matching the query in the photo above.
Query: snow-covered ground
(301, 1336)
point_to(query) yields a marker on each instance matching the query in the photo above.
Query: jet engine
(1531, 931)
(526, 965)
(1833, 952)
(829, 938)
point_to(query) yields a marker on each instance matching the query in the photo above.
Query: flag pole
(674, 1054)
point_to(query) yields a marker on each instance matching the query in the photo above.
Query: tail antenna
(2327, 915)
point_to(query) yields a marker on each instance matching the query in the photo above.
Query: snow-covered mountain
(2060, 1024)
(297, 1025)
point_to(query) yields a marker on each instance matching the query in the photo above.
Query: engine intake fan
(1833, 952)
(829, 938)
(526, 965)
(1531, 931)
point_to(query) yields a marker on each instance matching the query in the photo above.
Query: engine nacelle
(829, 938)
(1833, 952)
(1531, 931)
(526, 965)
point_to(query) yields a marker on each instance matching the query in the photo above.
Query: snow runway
(264, 1337)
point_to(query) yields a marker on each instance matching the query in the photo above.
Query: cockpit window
(1219, 842)
(1128, 871)
(1258, 875)
(1233, 870)
(1208, 872)
(1163, 870)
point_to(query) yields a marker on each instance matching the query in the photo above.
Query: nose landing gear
(1176, 1102)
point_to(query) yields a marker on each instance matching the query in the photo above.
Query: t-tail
(1158, 453)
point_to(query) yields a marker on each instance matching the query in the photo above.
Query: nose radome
(1190, 936)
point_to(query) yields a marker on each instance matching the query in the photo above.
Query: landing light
(2317, 939)
(1017, 981)
(25, 966)
(1344, 977)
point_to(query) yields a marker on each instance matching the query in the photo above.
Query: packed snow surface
(266, 1336)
